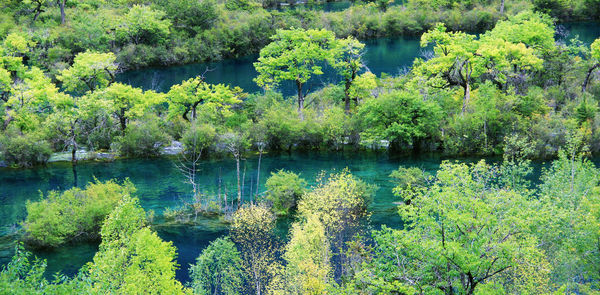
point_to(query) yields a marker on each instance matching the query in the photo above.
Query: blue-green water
(386, 55)
(160, 185)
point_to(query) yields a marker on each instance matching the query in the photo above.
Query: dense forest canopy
(493, 79)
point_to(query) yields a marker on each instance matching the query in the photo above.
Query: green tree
(218, 269)
(74, 214)
(252, 231)
(295, 55)
(308, 254)
(595, 58)
(127, 102)
(347, 60)
(144, 25)
(90, 71)
(284, 190)
(132, 259)
(402, 118)
(462, 234)
(185, 98)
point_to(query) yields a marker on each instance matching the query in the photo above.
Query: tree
(69, 111)
(132, 259)
(236, 143)
(37, 6)
(461, 233)
(308, 255)
(185, 98)
(595, 58)
(252, 231)
(144, 25)
(127, 102)
(399, 117)
(452, 63)
(218, 269)
(295, 55)
(339, 202)
(284, 189)
(90, 71)
(347, 60)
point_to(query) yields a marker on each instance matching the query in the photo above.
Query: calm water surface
(160, 185)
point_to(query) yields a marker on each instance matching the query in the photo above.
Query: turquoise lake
(160, 185)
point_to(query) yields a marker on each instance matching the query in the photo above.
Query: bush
(199, 137)
(285, 189)
(143, 138)
(74, 214)
(24, 150)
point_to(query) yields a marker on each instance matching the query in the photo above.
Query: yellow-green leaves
(186, 98)
(89, 72)
(595, 49)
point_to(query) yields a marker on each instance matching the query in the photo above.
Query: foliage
(252, 231)
(143, 138)
(23, 150)
(132, 258)
(462, 232)
(218, 269)
(284, 190)
(74, 214)
(90, 71)
(402, 118)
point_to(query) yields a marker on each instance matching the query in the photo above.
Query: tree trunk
(300, 99)
(347, 96)
(260, 152)
(122, 121)
(38, 10)
(589, 76)
(239, 187)
(62, 11)
(502, 7)
(467, 97)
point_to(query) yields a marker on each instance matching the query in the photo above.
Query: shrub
(285, 188)
(74, 214)
(24, 150)
(199, 137)
(142, 138)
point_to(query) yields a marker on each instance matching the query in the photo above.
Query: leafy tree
(90, 71)
(295, 55)
(339, 202)
(347, 60)
(74, 214)
(185, 98)
(143, 138)
(127, 102)
(24, 150)
(24, 275)
(452, 64)
(307, 254)
(132, 258)
(402, 118)
(462, 233)
(218, 269)
(595, 57)
(284, 190)
(144, 25)
(252, 231)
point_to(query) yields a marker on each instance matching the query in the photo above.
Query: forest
(500, 93)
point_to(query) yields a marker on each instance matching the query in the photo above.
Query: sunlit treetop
(89, 72)
(596, 49)
(185, 98)
(293, 55)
